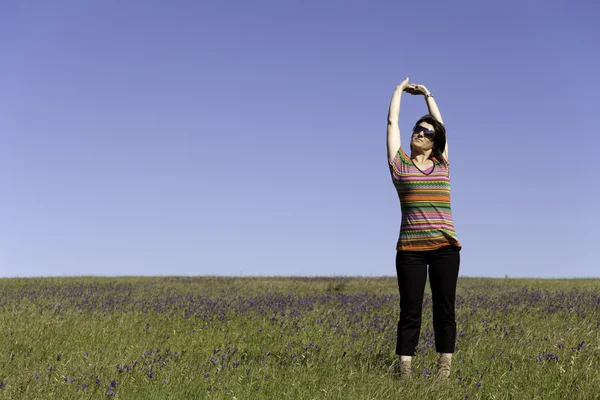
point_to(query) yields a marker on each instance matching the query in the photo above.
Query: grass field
(290, 338)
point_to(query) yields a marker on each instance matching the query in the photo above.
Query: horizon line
(281, 276)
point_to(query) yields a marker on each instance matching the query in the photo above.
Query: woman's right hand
(403, 85)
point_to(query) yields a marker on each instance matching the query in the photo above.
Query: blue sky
(248, 138)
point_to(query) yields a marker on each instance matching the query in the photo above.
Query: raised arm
(393, 129)
(431, 105)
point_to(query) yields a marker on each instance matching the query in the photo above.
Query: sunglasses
(428, 133)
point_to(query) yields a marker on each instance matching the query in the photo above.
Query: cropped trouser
(411, 269)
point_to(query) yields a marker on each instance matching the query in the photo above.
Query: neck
(421, 156)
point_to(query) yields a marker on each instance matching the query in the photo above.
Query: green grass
(290, 338)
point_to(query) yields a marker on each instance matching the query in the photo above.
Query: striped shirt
(425, 203)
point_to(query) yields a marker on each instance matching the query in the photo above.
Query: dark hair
(439, 140)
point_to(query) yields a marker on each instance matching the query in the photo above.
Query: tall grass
(295, 338)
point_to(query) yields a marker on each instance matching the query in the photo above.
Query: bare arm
(431, 105)
(393, 129)
(433, 108)
(435, 111)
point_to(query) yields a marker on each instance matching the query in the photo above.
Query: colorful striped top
(425, 203)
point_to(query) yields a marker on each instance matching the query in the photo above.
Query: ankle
(444, 363)
(405, 366)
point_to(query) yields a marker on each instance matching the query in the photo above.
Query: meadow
(290, 338)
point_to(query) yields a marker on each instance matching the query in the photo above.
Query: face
(422, 137)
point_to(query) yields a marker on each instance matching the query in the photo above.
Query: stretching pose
(427, 236)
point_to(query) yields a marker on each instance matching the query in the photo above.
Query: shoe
(444, 362)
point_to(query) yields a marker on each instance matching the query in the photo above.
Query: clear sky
(248, 138)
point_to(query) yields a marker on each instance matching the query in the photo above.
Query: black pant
(411, 269)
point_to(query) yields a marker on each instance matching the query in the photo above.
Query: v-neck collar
(420, 170)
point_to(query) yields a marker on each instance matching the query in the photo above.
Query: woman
(427, 235)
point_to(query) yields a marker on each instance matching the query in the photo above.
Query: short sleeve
(399, 164)
(444, 164)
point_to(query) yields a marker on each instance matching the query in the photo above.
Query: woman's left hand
(413, 88)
